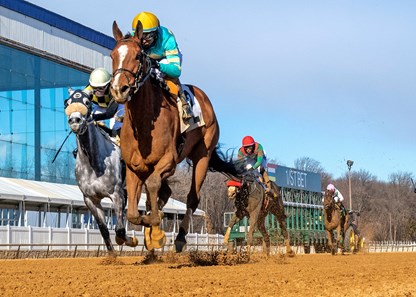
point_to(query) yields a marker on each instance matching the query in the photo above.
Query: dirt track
(386, 274)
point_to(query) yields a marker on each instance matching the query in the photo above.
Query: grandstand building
(42, 54)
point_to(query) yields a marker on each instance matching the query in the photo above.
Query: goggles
(99, 91)
(149, 37)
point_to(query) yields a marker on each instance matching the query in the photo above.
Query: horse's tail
(219, 163)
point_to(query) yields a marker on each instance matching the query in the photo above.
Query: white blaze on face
(231, 192)
(122, 53)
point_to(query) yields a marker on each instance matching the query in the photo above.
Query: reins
(60, 148)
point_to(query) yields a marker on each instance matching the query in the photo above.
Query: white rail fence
(391, 246)
(38, 238)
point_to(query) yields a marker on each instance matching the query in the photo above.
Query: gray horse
(98, 167)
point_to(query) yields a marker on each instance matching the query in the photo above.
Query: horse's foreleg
(154, 236)
(134, 188)
(164, 194)
(200, 167)
(340, 238)
(278, 210)
(153, 184)
(263, 231)
(253, 225)
(98, 213)
(121, 236)
(329, 236)
(234, 220)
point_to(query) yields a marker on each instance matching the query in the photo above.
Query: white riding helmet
(99, 78)
(330, 187)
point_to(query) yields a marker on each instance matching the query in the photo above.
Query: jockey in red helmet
(254, 151)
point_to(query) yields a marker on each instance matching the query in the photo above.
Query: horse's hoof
(158, 237)
(112, 254)
(132, 242)
(179, 245)
(119, 240)
(147, 239)
(154, 238)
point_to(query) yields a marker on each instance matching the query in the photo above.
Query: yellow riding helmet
(99, 78)
(149, 21)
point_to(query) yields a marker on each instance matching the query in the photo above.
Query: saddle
(171, 86)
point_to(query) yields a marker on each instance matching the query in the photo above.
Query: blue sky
(329, 80)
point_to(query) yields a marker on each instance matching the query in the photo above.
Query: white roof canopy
(14, 190)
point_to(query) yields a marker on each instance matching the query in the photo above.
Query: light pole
(349, 164)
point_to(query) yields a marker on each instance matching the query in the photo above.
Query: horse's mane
(222, 162)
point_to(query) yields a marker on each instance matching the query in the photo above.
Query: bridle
(139, 76)
(80, 97)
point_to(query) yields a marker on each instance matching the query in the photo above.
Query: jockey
(254, 151)
(337, 196)
(353, 218)
(103, 106)
(160, 45)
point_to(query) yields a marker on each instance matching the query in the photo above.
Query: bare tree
(213, 196)
(311, 165)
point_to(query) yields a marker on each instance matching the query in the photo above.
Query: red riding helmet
(248, 141)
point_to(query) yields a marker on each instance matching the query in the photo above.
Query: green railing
(305, 221)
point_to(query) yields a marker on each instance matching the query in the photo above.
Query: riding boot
(186, 108)
(267, 183)
(341, 207)
(75, 152)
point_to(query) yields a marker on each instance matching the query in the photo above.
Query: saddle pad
(233, 183)
(197, 120)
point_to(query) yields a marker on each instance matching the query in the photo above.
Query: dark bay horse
(151, 135)
(97, 167)
(334, 222)
(251, 201)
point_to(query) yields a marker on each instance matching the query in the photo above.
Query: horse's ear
(116, 32)
(88, 93)
(138, 33)
(70, 91)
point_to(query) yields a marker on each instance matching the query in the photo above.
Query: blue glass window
(34, 125)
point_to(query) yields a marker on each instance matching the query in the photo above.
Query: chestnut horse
(334, 222)
(151, 135)
(251, 201)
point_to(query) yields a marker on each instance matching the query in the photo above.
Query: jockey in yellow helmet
(160, 44)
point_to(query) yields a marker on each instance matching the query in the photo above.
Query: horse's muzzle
(120, 95)
(76, 122)
(231, 192)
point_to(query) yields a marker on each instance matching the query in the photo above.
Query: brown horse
(151, 141)
(251, 200)
(334, 221)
